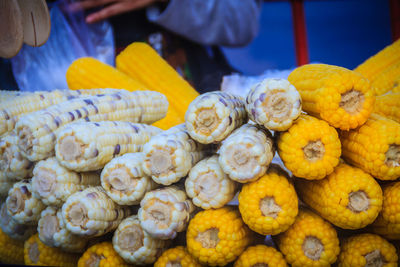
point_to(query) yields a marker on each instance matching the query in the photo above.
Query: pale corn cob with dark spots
(5, 184)
(124, 180)
(273, 103)
(37, 131)
(165, 212)
(208, 186)
(13, 229)
(22, 206)
(53, 233)
(171, 154)
(89, 146)
(92, 213)
(213, 116)
(6, 95)
(135, 245)
(246, 154)
(53, 183)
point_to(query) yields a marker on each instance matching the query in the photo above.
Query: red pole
(300, 34)
(395, 18)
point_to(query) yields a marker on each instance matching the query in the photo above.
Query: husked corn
(101, 255)
(11, 250)
(13, 229)
(388, 106)
(260, 255)
(387, 80)
(178, 256)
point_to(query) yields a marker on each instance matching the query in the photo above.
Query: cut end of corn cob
(392, 156)
(48, 226)
(101, 254)
(358, 201)
(314, 150)
(70, 148)
(352, 101)
(45, 182)
(312, 247)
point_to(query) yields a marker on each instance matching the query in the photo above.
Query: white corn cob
(171, 154)
(5, 184)
(165, 212)
(208, 186)
(37, 131)
(6, 95)
(124, 180)
(12, 163)
(53, 183)
(92, 213)
(13, 229)
(214, 115)
(246, 154)
(135, 245)
(274, 103)
(89, 146)
(22, 206)
(52, 232)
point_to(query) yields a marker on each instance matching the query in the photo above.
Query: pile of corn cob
(102, 187)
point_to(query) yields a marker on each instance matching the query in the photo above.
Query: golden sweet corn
(310, 149)
(176, 256)
(388, 106)
(309, 241)
(101, 255)
(339, 96)
(387, 80)
(374, 147)
(13, 229)
(11, 250)
(260, 255)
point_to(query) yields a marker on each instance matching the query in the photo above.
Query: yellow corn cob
(387, 80)
(124, 180)
(310, 148)
(388, 222)
(11, 250)
(171, 154)
(22, 206)
(135, 245)
(37, 130)
(349, 197)
(172, 119)
(269, 205)
(381, 61)
(310, 241)
(89, 146)
(260, 255)
(101, 255)
(246, 153)
(176, 256)
(13, 229)
(52, 232)
(165, 212)
(217, 236)
(367, 250)
(92, 213)
(388, 106)
(339, 96)
(5, 184)
(37, 253)
(53, 184)
(273, 103)
(214, 115)
(374, 147)
(12, 163)
(208, 186)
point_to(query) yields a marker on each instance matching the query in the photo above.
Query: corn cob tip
(208, 238)
(48, 226)
(120, 180)
(15, 202)
(70, 148)
(132, 238)
(77, 214)
(314, 150)
(33, 252)
(45, 182)
(352, 101)
(269, 207)
(160, 162)
(25, 140)
(358, 201)
(392, 158)
(312, 247)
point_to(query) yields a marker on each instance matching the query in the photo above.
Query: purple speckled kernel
(57, 121)
(95, 152)
(87, 119)
(6, 114)
(25, 191)
(117, 149)
(41, 96)
(71, 115)
(262, 97)
(223, 101)
(79, 113)
(117, 96)
(86, 111)
(230, 120)
(96, 109)
(98, 125)
(135, 128)
(253, 112)
(88, 101)
(70, 97)
(92, 195)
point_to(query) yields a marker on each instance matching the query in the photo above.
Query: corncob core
(49, 226)
(352, 101)
(33, 252)
(160, 161)
(312, 247)
(358, 201)
(120, 180)
(314, 150)
(208, 238)
(269, 207)
(393, 156)
(46, 181)
(78, 214)
(70, 148)
(132, 238)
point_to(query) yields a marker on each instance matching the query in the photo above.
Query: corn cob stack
(273, 103)
(388, 106)
(92, 213)
(53, 183)
(217, 236)
(310, 241)
(208, 186)
(388, 222)
(135, 245)
(214, 115)
(53, 233)
(176, 256)
(37, 131)
(374, 147)
(37, 253)
(367, 250)
(381, 61)
(101, 255)
(349, 197)
(269, 205)
(124, 180)
(13, 229)
(22, 206)
(11, 250)
(89, 146)
(246, 153)
(310, 148)
(339, 96)
(165, 212)
(171, 154)
(260, 255)
(387, 80)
